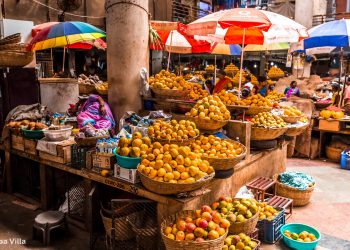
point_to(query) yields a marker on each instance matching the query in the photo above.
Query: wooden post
(45, 190)
(242, 130)
(8, 172)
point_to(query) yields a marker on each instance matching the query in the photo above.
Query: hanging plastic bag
(145, 90)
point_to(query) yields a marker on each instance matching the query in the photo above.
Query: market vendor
(292, 90)
(336, 94)
(263, 89)
(95, 111)
(347, 97)
(222, 83)
(209, 86)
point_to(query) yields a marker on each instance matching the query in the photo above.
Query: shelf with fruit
(231, 69)
(240, 241)
(275, 73)
(235, 79)
(268, 120)
(291, 114)
(332, 113)
(197, 92)
(267, 212)
(133, 147)
(275, 96)
(210, 68)
(228, 98)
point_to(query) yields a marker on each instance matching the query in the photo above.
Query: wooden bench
(282, 202)
(260, 185)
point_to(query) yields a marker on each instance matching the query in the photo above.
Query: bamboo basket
(173, 188)
(275, 77)
(171, 94)
(300, 197)
(15, 58)
(333, 154)
(246, 227)
(102, 91)
(178, 142)
(264, 134)
(86, 89)
(209, 125)
(226, 163)
(257, 110)
(163, 105)
(295, 131)
(13, 47)
(88, 141)
(12, 39)
(291, 119)
(170, 244)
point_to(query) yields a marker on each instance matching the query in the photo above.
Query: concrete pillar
(127, 53)
(304, 12)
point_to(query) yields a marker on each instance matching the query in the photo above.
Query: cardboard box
(17, 142)
(103, 160)
(129, 175)
(30, 146)
(63, 155)
(331, 125)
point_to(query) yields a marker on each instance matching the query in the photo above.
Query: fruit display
(228, 98)
(304, 119)
(332, 112)
(197, 92)
(238, 210)
(167, 80)
(174, 164)
(275, 72)
(257, 101)
(231, 68)
(291, 111)
(239, 242)
(304, 236)
(133, 147)
(26, 124)
(102, 87)
(267, 212)
(173, 130)
(266, 119)
(235, 79)
(253, 79)
(210, 108)
(275, 96)
(215, 147)
(210, 68)
(202, 225)
(188, 76)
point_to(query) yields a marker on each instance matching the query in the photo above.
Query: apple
(190, 227)
(180, 235)
(200, 240)
(188, 219)
(213, 234)
(228, 241)
(222, 204)
(171, 236)
(203, 223)
(212, 225)
(229, 199)
(207, 216)
(174, 230)
(199, 232)
(224, 210)
(224, 223)
(223, 198)
(181, 225)
(167, 230)
(231, 218)
(215, 205)
(235, 239)
(216, 217)
(205, 234)
(197, 221)
(206, 208)
(189, 236)
(220, 230)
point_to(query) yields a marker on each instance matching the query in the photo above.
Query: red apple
(220, 230)
(190, 227)
(206, 208)
(180, 235)
(231, 218)
(189, 236)
(188, 219)
(203, 223)
(181, 225)
(167, 230)
(171, 236)
(200, 240)
(207, 216)
(216, 217)
(212, 235)
(224, 223)
(197, 221)
(223, 198)
(199, 232)
(212, 225)
(235, 239)
(215, 205)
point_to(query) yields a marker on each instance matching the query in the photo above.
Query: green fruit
(249, 214)
(240, 218)
(232, 247)
(224, 247)
(253, 244)
(247, 248)
(222, 204)
(228, 241)
(295, 236)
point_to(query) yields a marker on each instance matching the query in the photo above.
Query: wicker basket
(178, 142)
(291, 119)
(172, 188)
(171, 94)
(123, 229)
(322, 105)
(226, 163)
(246, 227)
(295, 131)
(275, 77)
(300, 197)
(333, 154)
(170, 244)
(209, 125)
(88, 141)
(257, 110)
(264, 134)
(86, 89)
(12, 39)
(15, 58)
(13, 47)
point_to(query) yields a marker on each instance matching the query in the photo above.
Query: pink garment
(347, 93)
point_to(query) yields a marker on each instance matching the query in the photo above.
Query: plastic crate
(78, 157)
(269, 231)
(345, 160)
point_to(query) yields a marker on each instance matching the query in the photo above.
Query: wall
(320, 7)
(304, 12)
(160, 10)
(341, 5)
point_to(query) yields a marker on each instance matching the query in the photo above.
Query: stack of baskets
(12, 53)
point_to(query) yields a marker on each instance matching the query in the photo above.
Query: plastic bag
(144, 86)
(245, 193)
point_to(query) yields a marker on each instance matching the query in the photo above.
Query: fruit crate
(78, 156)
(269, 231)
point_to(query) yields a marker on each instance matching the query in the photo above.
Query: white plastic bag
(245, 193)
(145, 90)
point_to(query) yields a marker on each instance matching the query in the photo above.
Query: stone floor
(329, 212)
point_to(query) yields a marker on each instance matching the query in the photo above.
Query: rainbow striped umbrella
(63, 34)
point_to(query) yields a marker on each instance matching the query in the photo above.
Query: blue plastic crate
(269, 231)
(345, 160)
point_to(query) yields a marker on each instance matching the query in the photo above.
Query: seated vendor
(336, 94)
(95, 111)
(293, 90)
(263, 88)
(222, 83)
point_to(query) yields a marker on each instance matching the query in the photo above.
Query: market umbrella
(247, 26)
(226, 49)
(266, 47)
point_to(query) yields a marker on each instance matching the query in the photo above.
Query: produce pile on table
(240, 241)
(257, 101)
(210, 68)
(275, 96)
(228, 98)
(231, 69)
(291, 111)
(197, 92)
(173, 164)
(210, 108)
(266, 119)
(174, 130)
(267, 212)
(133, 147)
(26, 124)
(332, 112)
(91, 79)
(235, 79)
(297, 180)
(167, 80)
(275, 72)
(304, 236)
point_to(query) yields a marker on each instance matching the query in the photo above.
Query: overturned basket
(300, 197)
(207, 124)
(178, 142)
(264, 134)
(295, 131)
(173, 188)
(226, 163)
(15, 58)
(333, 154)
(170, 93)
(170, 244)
(246, 227)
(257, 110)
(86, 89)
(291, 119)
